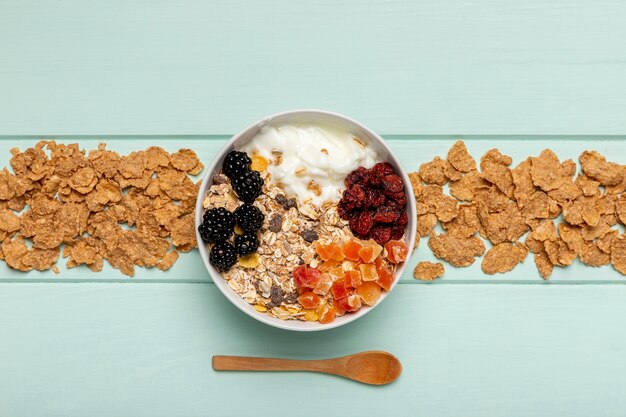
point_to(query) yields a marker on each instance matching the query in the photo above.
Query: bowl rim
(230, 294)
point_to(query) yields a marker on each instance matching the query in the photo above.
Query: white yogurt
(322, 154)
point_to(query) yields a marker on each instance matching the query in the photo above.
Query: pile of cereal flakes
(502, 204)
(127, 209)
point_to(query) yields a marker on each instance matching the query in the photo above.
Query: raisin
(276, 223)
(285, 202)
(391, 184)
(385, 214)
(381, 234)
(378, 171)
(276, 294)
(309, 235)
(360, 176)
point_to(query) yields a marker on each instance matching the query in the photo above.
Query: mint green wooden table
(517, 75)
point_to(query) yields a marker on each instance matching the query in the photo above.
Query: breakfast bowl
(305, 220)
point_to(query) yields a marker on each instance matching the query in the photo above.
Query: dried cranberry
(397, 232)
(381, 234)
(362, 224)
(374, 198)
(397, 204)
(358, 193)
(403, 219)
(386, 214)
(345, 213)
(378, 171)
(391, 184)
(360, 176)
(348, 201)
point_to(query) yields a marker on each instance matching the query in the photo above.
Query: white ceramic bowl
(302, 116)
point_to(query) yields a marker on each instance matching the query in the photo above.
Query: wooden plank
(412, 150)
(402, 67)
(472, 350)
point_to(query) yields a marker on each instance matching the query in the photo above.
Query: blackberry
(223, 256)
(249, 217)
(217, 225)
(247, 243)
(248, 186)
(236, 163)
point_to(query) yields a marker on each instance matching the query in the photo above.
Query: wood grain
(471, 350)
(401, 67)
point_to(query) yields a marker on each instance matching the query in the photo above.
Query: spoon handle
(245, 363)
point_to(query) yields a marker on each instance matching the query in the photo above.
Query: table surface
(518, 75)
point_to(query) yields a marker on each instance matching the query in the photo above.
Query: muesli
(300, 236)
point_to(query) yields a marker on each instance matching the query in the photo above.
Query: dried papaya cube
(337, 309)
(306, 277)
(369, 292)
(350, 303)
(339, 290)
(353, 278)
(325, 266)
(336, 252)
(336, 272)
(351, 250)
(370, 251)
(348, 265)
(325, 314)
(323, 251)
(324, 284)
(385, 276)
(309, 300)
(368, 272)
(397, 251)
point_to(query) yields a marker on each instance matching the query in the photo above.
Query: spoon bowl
(372, 367)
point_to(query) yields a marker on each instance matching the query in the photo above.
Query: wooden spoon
(372, 367)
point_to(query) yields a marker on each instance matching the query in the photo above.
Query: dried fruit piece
(397, 251)
(350, 303)
(326, 314)
(369, 292)
(368, 272)
(309, 300)
(503, 257)
(305, 276)
(385, 275)
(259, 163)
(353, 278)
(339, 290)
(351, 250)
(370, 251)
(428, 271)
